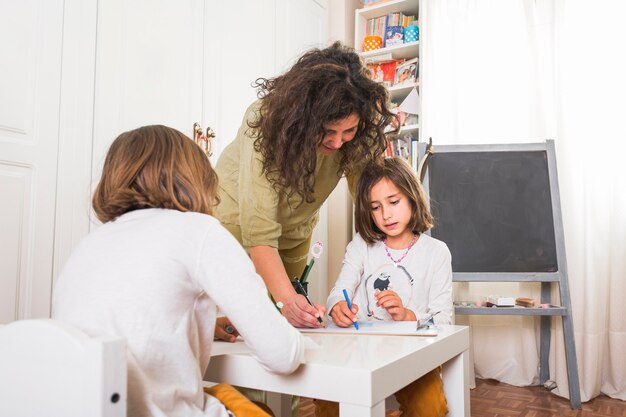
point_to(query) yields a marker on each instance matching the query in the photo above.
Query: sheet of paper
(391, 328)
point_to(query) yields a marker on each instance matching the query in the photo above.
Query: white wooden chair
(50, 369)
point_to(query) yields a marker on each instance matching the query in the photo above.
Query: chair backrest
(48, 368)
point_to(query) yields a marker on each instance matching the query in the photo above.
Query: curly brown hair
(323, 86)
(398, 171)
(154, 167)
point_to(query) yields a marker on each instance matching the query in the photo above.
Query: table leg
(456, 385)
(279, 403)
(351, 410)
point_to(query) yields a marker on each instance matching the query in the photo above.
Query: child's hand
(391, 301)
(224, 330)
(341, 314)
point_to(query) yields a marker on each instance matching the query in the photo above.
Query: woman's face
(338, 132)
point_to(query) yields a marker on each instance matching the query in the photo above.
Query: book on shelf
(394, 35)
(389, 27)
(403, 145)
(414, 154)
(384, 72)
(406, 73)
(400, 19)
(377, 26)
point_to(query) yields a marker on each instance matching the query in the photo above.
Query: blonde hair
(398, 171)
(154, 167)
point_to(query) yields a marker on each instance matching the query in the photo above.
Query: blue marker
(345, 295)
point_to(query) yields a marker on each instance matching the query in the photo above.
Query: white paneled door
(30, 84)
(77, 73)
(148, 68)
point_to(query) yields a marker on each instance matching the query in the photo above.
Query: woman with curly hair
(321, 120)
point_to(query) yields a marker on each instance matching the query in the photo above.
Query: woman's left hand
(391, 301)
(224, 330)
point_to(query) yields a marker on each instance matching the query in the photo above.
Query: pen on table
(345, 295)
(300, 290)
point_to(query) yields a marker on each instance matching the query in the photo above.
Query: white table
(358, 371)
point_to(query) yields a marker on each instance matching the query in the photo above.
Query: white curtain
(510, 71)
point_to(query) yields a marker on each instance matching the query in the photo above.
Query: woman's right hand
(342, 315)
(300, 313)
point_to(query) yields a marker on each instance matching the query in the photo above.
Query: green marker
(316, 252)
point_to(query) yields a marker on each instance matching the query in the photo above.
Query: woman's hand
(391, 301)
(342, 315)
(300, 313)
(224, 330)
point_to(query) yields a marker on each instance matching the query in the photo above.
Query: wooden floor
(495, 399)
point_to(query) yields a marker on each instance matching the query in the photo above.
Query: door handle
(204, 139)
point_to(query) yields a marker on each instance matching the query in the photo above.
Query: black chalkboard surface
(494, 210)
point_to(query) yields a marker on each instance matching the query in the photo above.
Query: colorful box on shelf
(371, 43)
(411, 33)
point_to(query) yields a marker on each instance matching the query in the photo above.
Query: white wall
(339, 205)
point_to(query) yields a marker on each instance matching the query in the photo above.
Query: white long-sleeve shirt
(156, 277)
(423, 279)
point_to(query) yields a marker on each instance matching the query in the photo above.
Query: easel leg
(544, 337)
(572, 365)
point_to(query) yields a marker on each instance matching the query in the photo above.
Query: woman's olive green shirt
(253, 210)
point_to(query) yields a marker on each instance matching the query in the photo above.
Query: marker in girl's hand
(345, 295)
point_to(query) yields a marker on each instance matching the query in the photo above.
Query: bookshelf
(406, 51)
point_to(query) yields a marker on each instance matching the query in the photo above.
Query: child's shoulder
(359, 242)
(434, 243)
(186, 222)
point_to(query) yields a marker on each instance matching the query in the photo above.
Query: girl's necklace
(406, 252)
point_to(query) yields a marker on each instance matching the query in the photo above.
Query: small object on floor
(549, 385)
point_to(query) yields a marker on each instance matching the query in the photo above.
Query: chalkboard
(498, 209)
(493, 209)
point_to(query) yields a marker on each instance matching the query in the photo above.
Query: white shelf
(405, 129)
(409, 128)
(404, 6)
(397, 92)
(404, 51)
